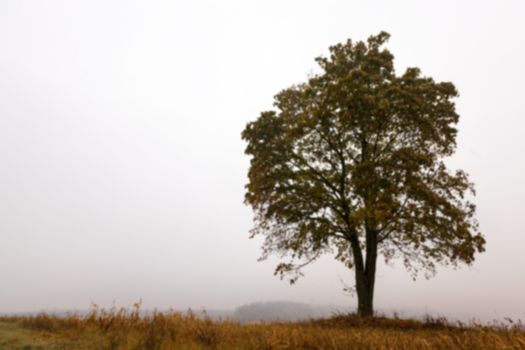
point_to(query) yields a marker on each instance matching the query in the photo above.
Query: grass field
(125, 329)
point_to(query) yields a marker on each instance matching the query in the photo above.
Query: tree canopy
(351, 162)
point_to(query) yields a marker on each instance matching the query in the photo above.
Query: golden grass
(126, 329)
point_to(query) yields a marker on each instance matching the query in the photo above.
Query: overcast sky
(122, 170)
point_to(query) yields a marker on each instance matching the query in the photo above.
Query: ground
(122, 329)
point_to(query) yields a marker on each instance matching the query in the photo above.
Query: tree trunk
(365, 273)
(365, 294)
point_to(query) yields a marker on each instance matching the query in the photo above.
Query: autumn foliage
(352, 162)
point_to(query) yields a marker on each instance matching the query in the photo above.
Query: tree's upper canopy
(359, 148)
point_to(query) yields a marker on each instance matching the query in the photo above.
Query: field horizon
(318, 310)
(130, 328)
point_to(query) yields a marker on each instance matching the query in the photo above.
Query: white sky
(122, 168)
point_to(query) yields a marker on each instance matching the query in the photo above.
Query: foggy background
(122, 170)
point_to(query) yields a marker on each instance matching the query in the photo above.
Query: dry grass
(126, 329)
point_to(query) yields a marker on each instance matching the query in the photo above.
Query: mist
(122, 170)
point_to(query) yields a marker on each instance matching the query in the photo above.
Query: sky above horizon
(122, 170)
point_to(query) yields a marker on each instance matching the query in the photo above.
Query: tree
(351, 162)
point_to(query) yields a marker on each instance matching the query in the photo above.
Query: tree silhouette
(351, 162)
